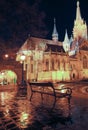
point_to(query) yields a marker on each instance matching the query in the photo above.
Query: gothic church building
(52, 60)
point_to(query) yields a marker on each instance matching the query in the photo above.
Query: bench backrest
(41, 84)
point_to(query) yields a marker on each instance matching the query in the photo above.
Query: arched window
(39, 67)
(63, 65)
(58, 64)
(52, 64)
(47, 64)
(73, 76)
(31, 68)
(31, 58)
(84, 62)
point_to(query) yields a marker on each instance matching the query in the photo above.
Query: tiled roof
(32, 42)
(54, 48)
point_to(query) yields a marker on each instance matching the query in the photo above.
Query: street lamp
(22, 58)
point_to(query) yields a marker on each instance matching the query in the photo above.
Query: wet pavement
(18, 113)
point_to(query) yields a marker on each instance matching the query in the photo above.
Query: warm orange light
(6, 55)
(22, 57)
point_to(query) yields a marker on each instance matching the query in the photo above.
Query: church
(55, 61)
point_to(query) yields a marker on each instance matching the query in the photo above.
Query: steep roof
(32, 43)
(54, 48)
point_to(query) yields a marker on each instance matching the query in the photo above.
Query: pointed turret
(66, 39)
(66, 42)
(55, 33)
(78, 13)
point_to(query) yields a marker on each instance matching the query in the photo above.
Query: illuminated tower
(80, 27)
(55, 33)
(66, 42)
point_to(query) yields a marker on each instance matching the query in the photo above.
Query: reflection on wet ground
(21, 114)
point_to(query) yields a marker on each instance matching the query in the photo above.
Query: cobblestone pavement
(18, 113)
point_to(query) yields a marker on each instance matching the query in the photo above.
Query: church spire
(66, 39)
(80, 28)
(78, 13)
(55, 33)
(66, 42)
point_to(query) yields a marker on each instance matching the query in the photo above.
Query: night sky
(19, 18)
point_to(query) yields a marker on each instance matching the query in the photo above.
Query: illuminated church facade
(52, 60)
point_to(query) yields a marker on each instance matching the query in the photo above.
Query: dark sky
(19, 18)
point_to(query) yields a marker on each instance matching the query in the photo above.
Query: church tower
(55, 33)
(80, 27)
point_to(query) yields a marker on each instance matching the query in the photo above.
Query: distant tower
(80, 27)
(55, 33)
(66, 42)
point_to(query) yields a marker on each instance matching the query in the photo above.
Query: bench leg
(31, 96)
(54, 93)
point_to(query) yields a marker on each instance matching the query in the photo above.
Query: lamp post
(22, 61)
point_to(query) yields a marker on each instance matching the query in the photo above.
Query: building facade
(52, 60)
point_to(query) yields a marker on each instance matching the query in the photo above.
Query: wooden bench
(48, 88)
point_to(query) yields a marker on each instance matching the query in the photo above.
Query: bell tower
(80, 27)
